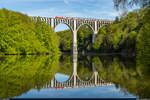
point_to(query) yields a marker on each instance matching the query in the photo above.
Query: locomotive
(63, 17)
(59, 17)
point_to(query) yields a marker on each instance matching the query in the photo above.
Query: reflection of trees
(125, 73)
(84, 68)
(19, 74)
(65, 65)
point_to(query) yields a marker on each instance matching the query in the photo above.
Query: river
(72, 76)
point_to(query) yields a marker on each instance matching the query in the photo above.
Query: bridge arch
(100, 26)
(71, 78)
(70, 28)
(92, 76)
(87, 25)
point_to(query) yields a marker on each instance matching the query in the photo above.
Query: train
(63, 17)
(71, 18)
(59, 17)
(77, 18)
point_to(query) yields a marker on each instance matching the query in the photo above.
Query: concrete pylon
(95, 32)
(52, 22)
(94, 36)
(74, 43)
(52, 83)
(74, 39)
(96, 76)
(74, 69)
(95, 73)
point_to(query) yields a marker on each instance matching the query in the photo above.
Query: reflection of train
(59, 88)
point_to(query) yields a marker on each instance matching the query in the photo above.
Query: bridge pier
(93, 37)
(74, 69)
(52, 83)
(74, 39)
(95, 74)
(95, 32)
(74, 49)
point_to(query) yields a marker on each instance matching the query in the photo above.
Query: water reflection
(75, 81)
(23, 74)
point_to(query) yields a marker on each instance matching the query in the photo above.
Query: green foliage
(84, 68)
(123, 4)
(19, 74)
(84, 37)
(143, 41)
(65, 65)
(20, 35)
(99, 39)
(121, 35)
(65, 39)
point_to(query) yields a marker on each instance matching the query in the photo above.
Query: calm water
(72, 76)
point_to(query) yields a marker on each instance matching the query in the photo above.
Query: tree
(126, 3)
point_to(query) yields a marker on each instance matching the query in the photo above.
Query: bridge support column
(52, 83)
(74, 48)
(93, 67)
(95, 73)
(74, 39)
(94, 36)
(95, 32)
(96, 76)
(74, 69)
(52, 23)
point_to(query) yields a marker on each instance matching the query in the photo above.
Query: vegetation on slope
(20, 35)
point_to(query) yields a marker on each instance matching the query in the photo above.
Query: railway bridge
(74, 23)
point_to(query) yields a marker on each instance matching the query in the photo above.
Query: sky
(100, 9)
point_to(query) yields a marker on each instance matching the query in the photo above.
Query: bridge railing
(77, 18)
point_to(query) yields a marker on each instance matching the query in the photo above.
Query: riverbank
(101, 54)
(79, 53)
(32, 54)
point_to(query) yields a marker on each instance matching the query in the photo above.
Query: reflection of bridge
(74, 24)
(75, 81)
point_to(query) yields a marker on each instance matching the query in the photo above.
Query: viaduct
(74, 24)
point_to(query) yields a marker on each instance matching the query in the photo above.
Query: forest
(20, 35)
